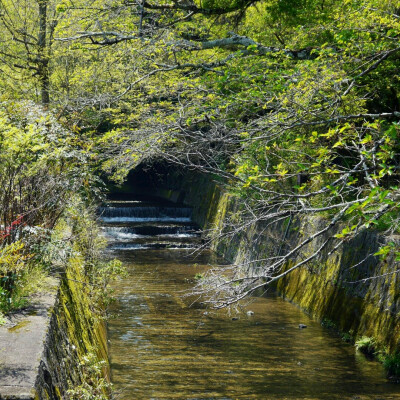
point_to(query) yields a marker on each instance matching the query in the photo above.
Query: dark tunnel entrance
(151, 180)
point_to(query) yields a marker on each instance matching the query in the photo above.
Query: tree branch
(197, 10)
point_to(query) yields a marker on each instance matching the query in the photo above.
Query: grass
(34, 280)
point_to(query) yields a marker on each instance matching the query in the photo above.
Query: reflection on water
(163, 349)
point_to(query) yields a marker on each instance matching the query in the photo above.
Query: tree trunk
(42, 53)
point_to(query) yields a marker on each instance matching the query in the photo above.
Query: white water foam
(133, 247)
(123, 236)
(147, 219)
(176, 235)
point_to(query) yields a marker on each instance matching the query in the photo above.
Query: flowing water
(164, 347)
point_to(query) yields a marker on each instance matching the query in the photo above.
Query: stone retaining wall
(43, 348)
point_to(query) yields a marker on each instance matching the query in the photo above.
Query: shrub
(346, 337)
(40, 167)
(391, 364)
(327, 323)
(366, 345)
(94, 385)
(12, 263)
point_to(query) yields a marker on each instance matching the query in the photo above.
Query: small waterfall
(153, 213)
(135, 224)
(145, 214)
(153, 230)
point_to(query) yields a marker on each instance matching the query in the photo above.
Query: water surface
(164, 347)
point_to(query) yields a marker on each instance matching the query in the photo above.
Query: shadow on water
(163, 349)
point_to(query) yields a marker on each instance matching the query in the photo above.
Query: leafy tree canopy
(294, 103)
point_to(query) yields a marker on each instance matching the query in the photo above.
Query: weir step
(134, 224)
(151, 230)
(145, 212)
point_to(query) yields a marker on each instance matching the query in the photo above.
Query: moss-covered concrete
(74, 333)
(43, 348)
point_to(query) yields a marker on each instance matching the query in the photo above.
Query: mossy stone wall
(74, 332)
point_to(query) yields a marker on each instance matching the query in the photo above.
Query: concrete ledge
(22, 345)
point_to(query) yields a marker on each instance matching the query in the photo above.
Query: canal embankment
(44, 348)
(54, 346)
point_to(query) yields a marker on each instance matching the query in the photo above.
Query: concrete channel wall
(44, 348)
(330, 289)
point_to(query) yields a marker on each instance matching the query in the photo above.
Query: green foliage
(198, 276)
(95, 386)
(329, 324)
(391, 364)
(222, 4)
(12, 265)
(347, 337)
(40, 166)
(21, 276)
(366, 345)
(293, 103)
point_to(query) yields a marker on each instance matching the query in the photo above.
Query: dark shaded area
(14, 375)
(142, 181)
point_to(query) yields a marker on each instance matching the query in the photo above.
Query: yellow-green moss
(86, 331)
(75, 333)
(321, 297)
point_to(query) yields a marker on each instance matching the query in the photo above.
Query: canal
(163, 346)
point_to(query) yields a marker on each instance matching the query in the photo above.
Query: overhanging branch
(193, 8)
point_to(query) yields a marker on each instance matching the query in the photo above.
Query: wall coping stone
(22, 345)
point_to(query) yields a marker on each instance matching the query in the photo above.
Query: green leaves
(39, 164)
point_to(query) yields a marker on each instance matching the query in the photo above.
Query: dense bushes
(45, 216)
